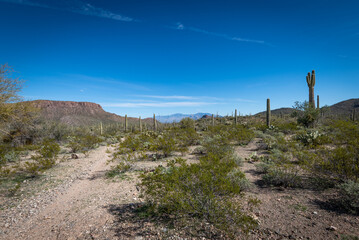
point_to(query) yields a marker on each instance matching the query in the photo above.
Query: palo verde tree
(15, 115)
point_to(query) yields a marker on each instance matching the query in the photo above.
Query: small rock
(332, 228)
(315, 213)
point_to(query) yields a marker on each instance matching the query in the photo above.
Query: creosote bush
(205, 191)
(349, 196)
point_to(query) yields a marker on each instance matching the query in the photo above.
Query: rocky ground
(75, 200)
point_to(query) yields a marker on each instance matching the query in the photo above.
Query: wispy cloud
(168, 97)
(75, 6)
(157, 104)
(182, 27)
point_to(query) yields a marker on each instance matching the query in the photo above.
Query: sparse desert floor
(75, 200)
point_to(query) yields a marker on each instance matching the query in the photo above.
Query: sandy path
(78, 210)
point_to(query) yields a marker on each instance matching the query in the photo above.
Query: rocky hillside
(339, 109)
(77, 113)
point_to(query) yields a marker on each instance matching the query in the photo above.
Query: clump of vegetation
(306, 114)
(349, 195)
(44, 158)
(207, 190)
(283, 176)
(83, 143)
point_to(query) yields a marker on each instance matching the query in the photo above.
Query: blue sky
(140, 57)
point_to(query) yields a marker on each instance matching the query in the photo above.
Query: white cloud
(75, 6)
(168, 97)
(157, 104)
(180, 26)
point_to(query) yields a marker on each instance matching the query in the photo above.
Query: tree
(15, 116)
(9, 88)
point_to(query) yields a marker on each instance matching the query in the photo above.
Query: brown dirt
(295, 213)
(80, 203)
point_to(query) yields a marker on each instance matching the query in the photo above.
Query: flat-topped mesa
(66, 104)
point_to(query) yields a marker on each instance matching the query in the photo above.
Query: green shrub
(166, 144)
(284, 176)
(349, 195)
(265, 165)
(306, 114)
(82, 143)
(203, 190)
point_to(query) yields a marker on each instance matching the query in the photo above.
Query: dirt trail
(294, 213)
(83, 204)
(77, 208)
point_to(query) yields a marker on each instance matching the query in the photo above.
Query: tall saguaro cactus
(154, 122)
(268, 112)
(212, 120)
(318, 101)
(235, 117)
(101, 129)
(311, 83)
(126, 123)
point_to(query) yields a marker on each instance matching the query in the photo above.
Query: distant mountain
(78, 113)
(179, 116)
(343, 108)
(277, 112)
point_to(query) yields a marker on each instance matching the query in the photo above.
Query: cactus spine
(140, 123)
(311, 83)
(235, 117)
(126, 123)
(154, 122)
(268, 112)
(318, 101)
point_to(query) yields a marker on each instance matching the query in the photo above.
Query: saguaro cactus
(353, 115)
(268, 112)
(154, 122)
(212, 120)
(140, 123)
(318, 101)
(101, 129)
(126, 123)
(311, 83)
(235, 117)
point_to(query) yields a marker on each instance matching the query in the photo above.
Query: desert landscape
(179, 120)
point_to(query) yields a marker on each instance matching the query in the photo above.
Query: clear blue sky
(139, 57)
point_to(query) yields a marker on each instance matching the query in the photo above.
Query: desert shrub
(119, 169)
(306, 114)
(49, 149)
(82, 143)
(203, 191)
(265, 165)
(8, 154)
(44, 158)
(284, 176)
(237, 177)
(349, 195)
(241, 134)
(187, 123)
(287, 127)
(166, 144)
(216, 146)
